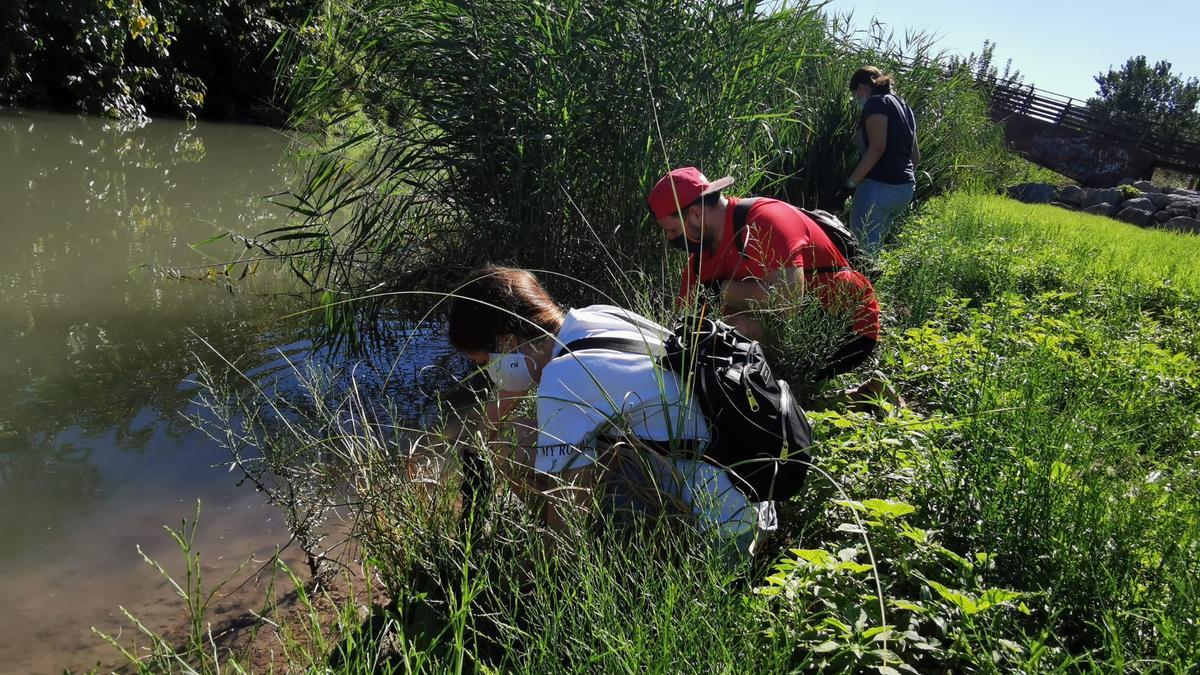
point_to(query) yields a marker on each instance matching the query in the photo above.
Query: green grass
(1062, 348)
(1026, 171)
(981, 247)
(1033, 509)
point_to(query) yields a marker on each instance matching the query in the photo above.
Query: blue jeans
(876, 206)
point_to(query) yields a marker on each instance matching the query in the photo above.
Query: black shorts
(853, 352)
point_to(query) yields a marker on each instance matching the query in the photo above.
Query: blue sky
(1058, 46)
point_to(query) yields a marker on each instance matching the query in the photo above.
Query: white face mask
(510, 372)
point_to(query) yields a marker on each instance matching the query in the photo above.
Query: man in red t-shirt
(781, 250)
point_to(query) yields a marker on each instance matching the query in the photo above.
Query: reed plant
(1032, 510)
(529, 133)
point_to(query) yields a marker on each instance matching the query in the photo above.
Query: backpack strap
(741, 211)
(684, 447)
(626, 345)
(637, 321)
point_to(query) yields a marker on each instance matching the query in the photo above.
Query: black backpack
(759, 431)
(843, 239)
(841, 236)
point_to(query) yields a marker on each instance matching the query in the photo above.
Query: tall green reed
(479, 583)
(529, 133)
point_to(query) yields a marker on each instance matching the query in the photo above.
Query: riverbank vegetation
(1032, 509)
(530, 132)
(1029, 510)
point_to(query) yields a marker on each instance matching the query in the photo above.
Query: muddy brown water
(97, 358)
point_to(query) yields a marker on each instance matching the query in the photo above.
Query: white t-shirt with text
(582, 394)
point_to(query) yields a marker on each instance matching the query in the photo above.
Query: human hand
(839, 198)
(716, 287)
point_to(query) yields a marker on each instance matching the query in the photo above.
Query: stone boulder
(1102, 209)
(1183, 224)
(1100, 196)
(1160, 199)
(1163, 216)
(1072, 195)
(1033, 193)
(1145, 186)
(1135, 217)
(1180, 191)
(1139, 203)
(1183, 207)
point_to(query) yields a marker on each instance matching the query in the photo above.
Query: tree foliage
(984, 68)
(123, 58)
(1149, 96)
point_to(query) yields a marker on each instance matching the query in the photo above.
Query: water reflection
(95, 451)
(87, 342)
(59, 478)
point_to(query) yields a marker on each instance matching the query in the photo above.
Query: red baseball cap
(678, 189)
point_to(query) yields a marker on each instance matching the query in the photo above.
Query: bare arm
(876, 143)
(742, 296)
(498, 408)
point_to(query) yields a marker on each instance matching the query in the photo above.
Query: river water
(97, 360)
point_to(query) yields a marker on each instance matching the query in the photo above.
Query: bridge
(1066, 136)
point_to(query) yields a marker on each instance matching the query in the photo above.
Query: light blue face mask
(860, 102)
(510, 372)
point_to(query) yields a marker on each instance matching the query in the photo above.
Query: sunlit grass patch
(980, 245)
(1062, 346)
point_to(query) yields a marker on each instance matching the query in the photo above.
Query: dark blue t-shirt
(895, 166)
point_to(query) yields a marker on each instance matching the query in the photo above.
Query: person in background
(886, 137)
(779, 251)
(606, 419)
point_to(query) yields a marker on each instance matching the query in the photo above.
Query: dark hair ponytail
(880, 83)
(496, 300)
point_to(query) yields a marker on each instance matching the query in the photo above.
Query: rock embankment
(1141, 203)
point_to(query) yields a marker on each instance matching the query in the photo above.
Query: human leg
(642, 488)
(893, 201)
(876, 207)
(851, 354)
(863, 215)
(637, 484)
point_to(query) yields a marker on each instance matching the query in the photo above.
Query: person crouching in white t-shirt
(606, 419)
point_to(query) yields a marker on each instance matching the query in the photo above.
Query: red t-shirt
(779, 235)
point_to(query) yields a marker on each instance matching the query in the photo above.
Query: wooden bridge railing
(1069, 112)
